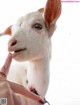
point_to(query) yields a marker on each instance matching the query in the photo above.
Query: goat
(30, 43)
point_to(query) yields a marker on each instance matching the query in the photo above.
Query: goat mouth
(17, 51)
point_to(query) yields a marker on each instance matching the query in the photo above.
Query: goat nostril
(13, 43)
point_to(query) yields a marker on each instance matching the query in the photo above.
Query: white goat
(30, 42)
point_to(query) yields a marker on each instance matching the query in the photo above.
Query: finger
(22, 90)
(6, 66)
(16, 100)
(5, 91)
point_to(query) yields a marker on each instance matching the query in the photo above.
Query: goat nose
(13, 43)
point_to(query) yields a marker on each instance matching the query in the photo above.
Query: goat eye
(38, 26)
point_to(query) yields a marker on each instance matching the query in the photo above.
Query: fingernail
(9, 54)
(41, 101)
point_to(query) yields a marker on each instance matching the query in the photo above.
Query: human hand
(8, 89)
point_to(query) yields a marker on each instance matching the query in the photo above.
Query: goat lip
(17, 51)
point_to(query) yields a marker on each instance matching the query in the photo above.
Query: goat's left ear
(52, 12)
(7, 31)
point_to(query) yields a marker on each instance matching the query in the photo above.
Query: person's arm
(7, 88)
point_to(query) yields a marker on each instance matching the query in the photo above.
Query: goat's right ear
(7, 31)
(51, 13)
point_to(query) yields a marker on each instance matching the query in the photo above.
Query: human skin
(9, 89)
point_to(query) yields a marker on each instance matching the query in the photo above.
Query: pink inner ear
(7, 31)
(52, 10)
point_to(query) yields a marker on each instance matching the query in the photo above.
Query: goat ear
(52, 12)
(7, 31)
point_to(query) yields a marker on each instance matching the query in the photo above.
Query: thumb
(22, 90)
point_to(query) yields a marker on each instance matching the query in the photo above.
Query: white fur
(38, 53)
(36, 48)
